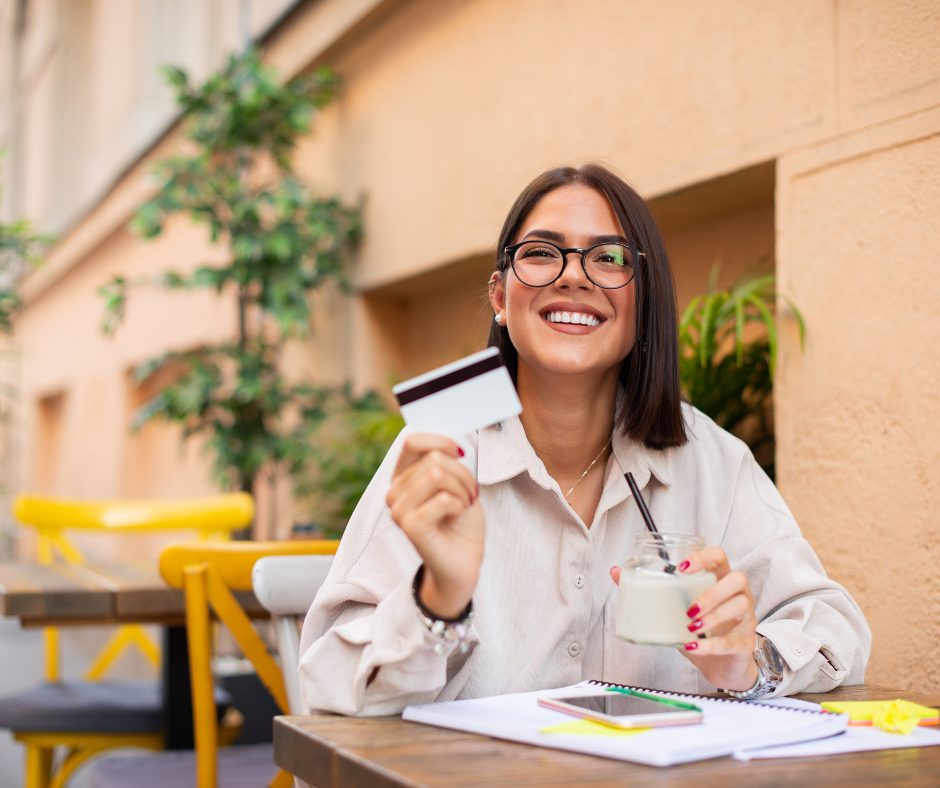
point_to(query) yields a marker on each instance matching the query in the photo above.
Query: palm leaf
(770, 324)
(734, 388)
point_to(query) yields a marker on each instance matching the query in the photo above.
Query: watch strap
(765, 683)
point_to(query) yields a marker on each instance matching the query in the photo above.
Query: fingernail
(693, 611)
(696, 625)
(460, 452)
(684, 565)
(691, 646)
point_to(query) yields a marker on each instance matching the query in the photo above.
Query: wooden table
(96, 593)
(327, 750)
(102, 593)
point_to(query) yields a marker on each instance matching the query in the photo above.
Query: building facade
(802, 135)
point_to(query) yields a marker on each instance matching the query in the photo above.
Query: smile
(576, 318)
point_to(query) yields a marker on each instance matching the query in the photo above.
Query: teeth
(572, 317)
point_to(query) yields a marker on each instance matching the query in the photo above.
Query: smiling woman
(465, 574)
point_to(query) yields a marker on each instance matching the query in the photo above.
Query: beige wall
(803, 131)
(857, 412)
(85, 97)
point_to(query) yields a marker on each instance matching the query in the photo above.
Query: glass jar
(654, 595)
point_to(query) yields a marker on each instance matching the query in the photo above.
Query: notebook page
(855, 739)
(727, 726)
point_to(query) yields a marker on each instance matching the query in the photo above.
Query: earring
(498, 317)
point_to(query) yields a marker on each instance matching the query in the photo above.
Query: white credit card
(461, 397)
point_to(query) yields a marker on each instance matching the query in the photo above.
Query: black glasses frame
(510, 253)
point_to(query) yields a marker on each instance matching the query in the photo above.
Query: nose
(573, 275)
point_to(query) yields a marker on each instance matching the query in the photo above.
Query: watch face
(770, 660)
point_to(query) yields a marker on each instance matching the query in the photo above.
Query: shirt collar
(641, 461)
(504, 451)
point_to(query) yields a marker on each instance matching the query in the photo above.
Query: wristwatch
(770, 669)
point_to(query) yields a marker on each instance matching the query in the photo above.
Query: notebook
(729, 727)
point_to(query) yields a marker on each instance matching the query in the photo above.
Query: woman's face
(570, 216)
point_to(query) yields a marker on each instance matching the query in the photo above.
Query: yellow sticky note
(590, 728)
(895, 716)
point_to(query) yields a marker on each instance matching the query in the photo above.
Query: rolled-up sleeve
(814, 623)
(364, 650)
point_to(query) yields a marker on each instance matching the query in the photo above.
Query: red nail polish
(693, 611)
(684, 565)
(696, 625)
(460, 452)
(691, 646)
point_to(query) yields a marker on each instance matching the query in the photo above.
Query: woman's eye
(540, 251)
(611, 258)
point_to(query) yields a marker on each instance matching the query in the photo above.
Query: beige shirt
(544, 604)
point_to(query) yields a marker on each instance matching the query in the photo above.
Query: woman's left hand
(725, 612)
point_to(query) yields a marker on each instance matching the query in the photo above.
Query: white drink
(651, 605)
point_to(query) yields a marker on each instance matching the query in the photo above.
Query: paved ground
(21, 666)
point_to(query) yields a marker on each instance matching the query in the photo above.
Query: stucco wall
(449, 107)
(857, 413)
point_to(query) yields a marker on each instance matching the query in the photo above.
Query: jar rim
(668, 539)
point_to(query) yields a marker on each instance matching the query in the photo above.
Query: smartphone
(625, 711)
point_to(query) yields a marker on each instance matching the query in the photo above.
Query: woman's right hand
(433, 499)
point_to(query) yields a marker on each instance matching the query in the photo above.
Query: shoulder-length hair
(650, 412)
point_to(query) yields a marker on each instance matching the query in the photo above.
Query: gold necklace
(587, 470)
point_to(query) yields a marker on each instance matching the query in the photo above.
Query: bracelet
(447, 631)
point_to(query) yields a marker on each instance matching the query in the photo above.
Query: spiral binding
(686, 696)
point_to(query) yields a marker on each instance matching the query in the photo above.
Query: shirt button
(797, 650)
(574, 649)
(579, 581)
(399, 643)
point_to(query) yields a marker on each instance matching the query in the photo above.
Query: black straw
(648, 519)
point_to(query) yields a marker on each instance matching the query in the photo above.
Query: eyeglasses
(540, 263)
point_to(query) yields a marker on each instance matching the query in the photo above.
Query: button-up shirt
(544, 605)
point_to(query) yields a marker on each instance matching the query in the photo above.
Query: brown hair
(650, 373)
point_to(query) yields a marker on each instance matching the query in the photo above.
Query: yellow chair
(212, 517)
(208, 575)
(92, 716)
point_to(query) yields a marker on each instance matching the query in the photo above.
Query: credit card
(460, 397)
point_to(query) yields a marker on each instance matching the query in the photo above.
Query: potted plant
(350, 445)
(282, 243)
(727, 357)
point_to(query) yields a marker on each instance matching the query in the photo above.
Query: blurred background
(799, 139)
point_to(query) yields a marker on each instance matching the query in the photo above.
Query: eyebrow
(551, 235)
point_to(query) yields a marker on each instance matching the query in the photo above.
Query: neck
(567, 419)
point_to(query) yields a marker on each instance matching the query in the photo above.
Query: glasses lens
(537, 263)
(610, 265)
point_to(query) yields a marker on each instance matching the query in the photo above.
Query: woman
(466, 576)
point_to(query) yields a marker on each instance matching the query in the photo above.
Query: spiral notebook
(729, 727)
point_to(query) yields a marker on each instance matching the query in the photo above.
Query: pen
(657, 698)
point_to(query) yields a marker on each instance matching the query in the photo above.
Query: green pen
(657, 698)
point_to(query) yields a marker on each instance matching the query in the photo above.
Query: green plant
(351, 444)
(20, 247)
(726, 367)
(282, 243)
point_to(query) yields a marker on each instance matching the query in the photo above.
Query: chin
(574, 366)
